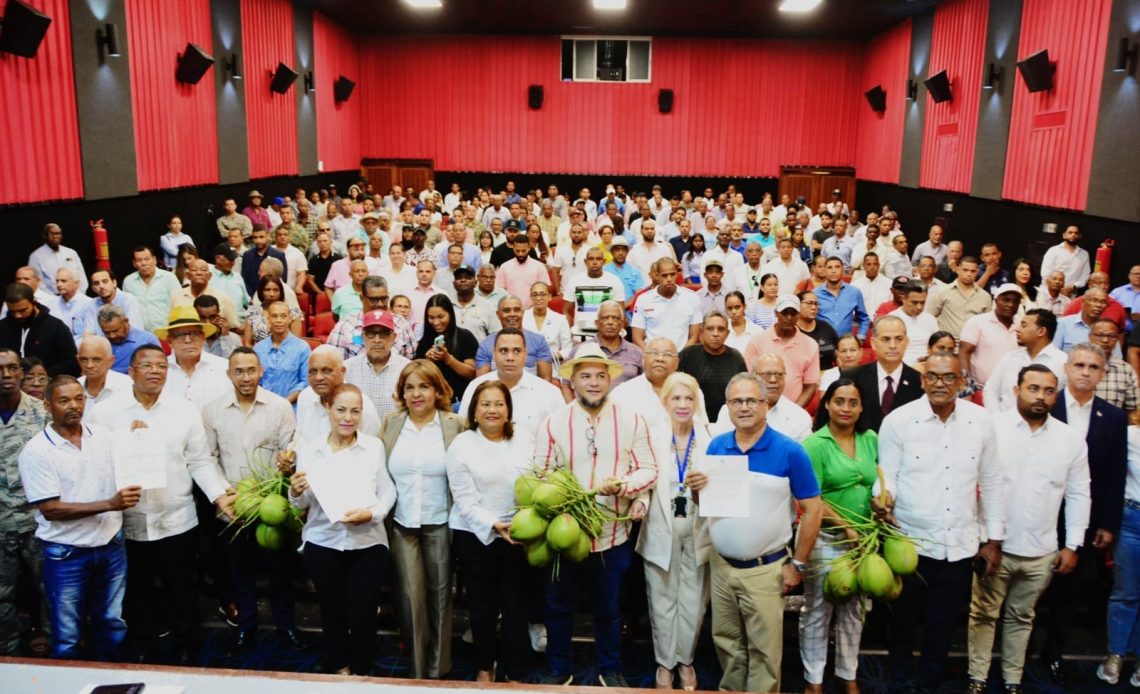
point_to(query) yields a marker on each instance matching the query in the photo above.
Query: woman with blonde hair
(416, 437)
(674, 542)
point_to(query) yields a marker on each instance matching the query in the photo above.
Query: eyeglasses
(947, 378)
(184, 337)
(770, 375)
(658, 354)
(1104, 336)
(376, 300)
(809, 303)
(591, 447)
(737, 403)
(151, 366)
(36, 379)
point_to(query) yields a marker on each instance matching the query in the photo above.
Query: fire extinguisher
(1104, 256)
(102, 251)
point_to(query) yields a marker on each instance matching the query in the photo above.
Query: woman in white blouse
(740, 329)
(417, 437)
(345, 555)
(552, 326)
(674, 542)
(482, 467)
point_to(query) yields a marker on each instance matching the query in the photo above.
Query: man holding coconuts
(606, 447)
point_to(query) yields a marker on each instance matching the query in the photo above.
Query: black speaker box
(342, 89)
(283, 78)
(23, 30)
(534, 96)
(1037, 72)
(193, 64)
(665, 101)
(939, 87)
(877, 98)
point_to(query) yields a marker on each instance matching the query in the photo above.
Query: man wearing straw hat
(194, 374)
(607, 447)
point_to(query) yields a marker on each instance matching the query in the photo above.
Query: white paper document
(727, 493)
(338, 490)
(140, 458)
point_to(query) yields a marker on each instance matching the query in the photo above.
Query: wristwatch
(799, 565)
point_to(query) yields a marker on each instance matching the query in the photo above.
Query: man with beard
(516, 278)
(30, 330)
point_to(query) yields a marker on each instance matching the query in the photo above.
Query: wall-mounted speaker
(193, 64)
(534, 96)
(877, 98)
(342, 88)
(1037, 71)
(283, 78)
(939, 87)
(665, 101)
(23, 30)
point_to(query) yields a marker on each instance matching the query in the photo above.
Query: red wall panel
(878, 153)
(336, 53)
(1051, 133)
(958, 45)
(39, 124)
(271, 119)
(176, 129)
(741, 108)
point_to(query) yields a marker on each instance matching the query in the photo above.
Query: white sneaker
(538, 637)
(468, 636)
(1135, 679)
(1109, 669)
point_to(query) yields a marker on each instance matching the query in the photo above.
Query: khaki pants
(1019, 583)
(748, 625)
(677, 598)
(422, 561)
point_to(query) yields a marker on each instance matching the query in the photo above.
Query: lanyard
(682, 465)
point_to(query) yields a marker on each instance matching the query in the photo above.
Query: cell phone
(133, 688)
(981, 566)
(438, 341)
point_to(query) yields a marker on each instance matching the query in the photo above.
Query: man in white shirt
(1035, 346)
(920, 325)
(871, 243)
(927, 269)
(294, 259)
(746, 278)
(496, 211)
(570, 258)
(30, 277)
(99, 381)
(194, 374)
(660, 360)
(1069, 259)
(650, 249)
(875, 286)
(932, 247)
(937, 453)
(587, 291)
(326, 372)
(1045, 464)
(722, 252)
(376, 369)
(452, 199)
(345, 226)
(532, 398)
(72, 303)
(51, 256)
(784, 415)
(247, 427)
(667, 310)
(160, 530)
(787, 266)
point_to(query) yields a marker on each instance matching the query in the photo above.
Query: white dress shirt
(786, 417)
(242, 440)
(114, 384)
(637, 395)
(1042, 468)
(481, 474)
(208, 382)
(363, 462)
(918, 332)
(875, 292)
(789, 274)
(642, 256)
(313, 418)
(532, 400)
(1132, 484)
(1078, 415)
(73, 313)
(934, 470)
(1073, 264)
(418, 465)
(669, 318)
(48, 262)
(556, 331)
(998, 393)
(52, 468)
(177, 425)
(881, 374)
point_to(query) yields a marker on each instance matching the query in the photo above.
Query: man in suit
(1105, 428)
(888, 382)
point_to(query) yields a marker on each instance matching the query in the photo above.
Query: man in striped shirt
(606, 446)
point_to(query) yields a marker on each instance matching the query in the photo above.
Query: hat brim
(567, 368)
(207, 328)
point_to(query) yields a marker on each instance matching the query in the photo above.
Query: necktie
(888, 398)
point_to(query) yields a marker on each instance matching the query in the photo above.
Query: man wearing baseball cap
(799, 350)
(987, 337)
(376, 369)
(713, 291)
(632, 278)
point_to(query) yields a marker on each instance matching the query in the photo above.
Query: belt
(779, 555)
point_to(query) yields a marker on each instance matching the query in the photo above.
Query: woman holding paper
(845, 460)
(344, 541)
(482, 467)
(674, 542)
(417, 437)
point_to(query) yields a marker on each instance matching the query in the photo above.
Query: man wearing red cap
(377, 368)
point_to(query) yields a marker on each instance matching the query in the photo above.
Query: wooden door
(382, 177)
(816, 184)
(411, 174)
(415, 177)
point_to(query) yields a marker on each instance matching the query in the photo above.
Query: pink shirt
(419, 296)
(801, 358)
(516, 278)
(991, 340)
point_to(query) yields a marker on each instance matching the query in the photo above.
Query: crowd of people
(990, 410)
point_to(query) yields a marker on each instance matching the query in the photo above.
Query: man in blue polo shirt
(539, 360)
(751, 565)
(840, 304)
(631, 277)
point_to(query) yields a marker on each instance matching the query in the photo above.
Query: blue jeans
(86, 584)
(1124, 603)
(600, 575)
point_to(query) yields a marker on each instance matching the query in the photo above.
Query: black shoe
(292, 638)
(1057, 672)
(976, 686)
(612, 679)
(245, 639)
(1013, 689)
(549, 678)
(228, 612)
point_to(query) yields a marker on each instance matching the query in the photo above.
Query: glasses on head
(591, 447)
(947, 379)
(737, 403)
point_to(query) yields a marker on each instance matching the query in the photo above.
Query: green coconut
(841, 582)
(895, 591)
(269, 537)
(563, 532)
(246, 506)
(547, 498)
(274, 509)
(539, 553)
(581, 551)
(527, 525)
(901, 555)
(524, 489)
(875, 576)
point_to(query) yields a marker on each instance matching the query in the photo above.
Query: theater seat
(305, 303)
(324, 303)
(323, 324)
(313, 342)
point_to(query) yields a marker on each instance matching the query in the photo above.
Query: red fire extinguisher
(1104, 256)
(102, 251)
